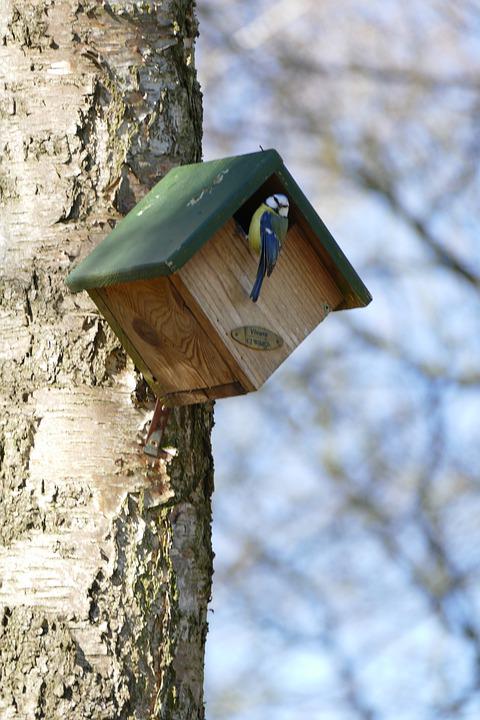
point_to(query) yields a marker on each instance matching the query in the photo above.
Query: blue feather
(269, 253)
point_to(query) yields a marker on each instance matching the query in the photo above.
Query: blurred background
(347, 503)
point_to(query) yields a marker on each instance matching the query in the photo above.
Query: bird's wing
(270, 243)
(280, 227)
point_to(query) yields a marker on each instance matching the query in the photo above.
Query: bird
(266, 234)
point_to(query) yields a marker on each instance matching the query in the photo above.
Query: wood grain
(101, 301)
(220, 277)
(214, 337)
(166, 335)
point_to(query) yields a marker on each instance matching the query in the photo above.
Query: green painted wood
(172, 222)
(179, 215)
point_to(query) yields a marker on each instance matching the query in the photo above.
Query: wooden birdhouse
(173, 280)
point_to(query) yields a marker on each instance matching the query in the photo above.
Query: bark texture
(105, 558)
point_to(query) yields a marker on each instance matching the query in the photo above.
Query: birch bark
(105, 560)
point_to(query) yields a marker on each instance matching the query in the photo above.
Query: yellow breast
(254, 239)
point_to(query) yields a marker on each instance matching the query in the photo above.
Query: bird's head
(278, 203)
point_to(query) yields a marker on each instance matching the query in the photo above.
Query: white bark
(105, 560)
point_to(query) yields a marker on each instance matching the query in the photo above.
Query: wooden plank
(98, 297)
(215, 339)
(204, 394)
(220, 277)
(166, 335)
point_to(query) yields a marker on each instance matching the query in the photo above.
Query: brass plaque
(257, 338)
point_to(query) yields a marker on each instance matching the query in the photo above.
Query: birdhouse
(174, 277)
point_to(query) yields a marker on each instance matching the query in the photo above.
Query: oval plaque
(257, 338)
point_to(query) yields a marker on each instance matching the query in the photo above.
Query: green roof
(167, 227)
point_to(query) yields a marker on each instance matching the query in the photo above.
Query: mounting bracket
(155, 433)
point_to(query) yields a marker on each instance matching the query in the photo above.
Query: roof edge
(271, 162)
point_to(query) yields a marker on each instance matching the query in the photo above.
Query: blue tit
(268, 228)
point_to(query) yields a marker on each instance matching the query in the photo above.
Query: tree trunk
(105, 558)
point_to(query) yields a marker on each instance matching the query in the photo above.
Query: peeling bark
(105, 557)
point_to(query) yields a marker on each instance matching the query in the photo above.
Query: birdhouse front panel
(293, 302)
(174, 279)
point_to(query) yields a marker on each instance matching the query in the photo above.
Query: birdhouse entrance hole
(271, 186)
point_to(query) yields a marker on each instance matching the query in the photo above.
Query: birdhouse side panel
(97, 296)
(164, 333)
(292, 302)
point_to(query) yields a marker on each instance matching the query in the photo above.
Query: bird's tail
(258, 283)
